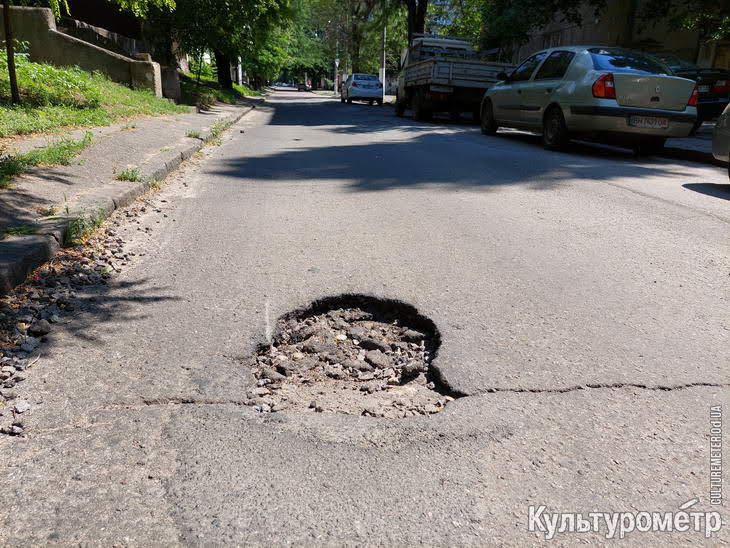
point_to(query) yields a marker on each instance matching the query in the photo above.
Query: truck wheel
(349, 101)
(554, 130)
(400, 108)
(380, 102)
(342, 99)
(488, 123)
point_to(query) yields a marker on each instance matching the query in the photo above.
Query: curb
(690, 155)
(21, 255)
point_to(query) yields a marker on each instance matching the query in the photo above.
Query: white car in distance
(362, 87)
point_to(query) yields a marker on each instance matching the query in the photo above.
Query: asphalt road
(581, 297)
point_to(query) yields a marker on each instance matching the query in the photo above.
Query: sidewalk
(697, 148)
(43, 201)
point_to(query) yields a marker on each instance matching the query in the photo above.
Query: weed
(129, 174)
(216, 131)
(60, 152)
(82, 225)
(47, 211)
(19, 230)
(165, 149)
(193, 134)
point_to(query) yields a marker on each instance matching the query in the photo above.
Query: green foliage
(130, 173)
(456, 17)
(711, 18)
(47, 85)
(510, 22)
(54, 97)
(19, 231)
(82, 225)
(61, 152)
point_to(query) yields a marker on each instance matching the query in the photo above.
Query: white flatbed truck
(444, 75)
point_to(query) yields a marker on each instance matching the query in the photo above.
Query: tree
(456, 17)
(416, 17)
(709, 18)
(506, 23)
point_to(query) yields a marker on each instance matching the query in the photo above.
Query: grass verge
(60, 152)
(208, 91)
(56, 97)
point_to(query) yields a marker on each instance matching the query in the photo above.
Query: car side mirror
(503, 76)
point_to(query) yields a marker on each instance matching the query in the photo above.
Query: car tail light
(693, 98)
(603, 87)
(355, 84)
(380, 86)
(721, 86)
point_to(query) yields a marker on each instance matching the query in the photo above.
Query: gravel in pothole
(353, 360)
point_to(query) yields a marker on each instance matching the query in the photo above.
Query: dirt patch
(351, 354)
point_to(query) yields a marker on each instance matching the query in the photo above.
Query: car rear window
(626, 61)
(365, 77)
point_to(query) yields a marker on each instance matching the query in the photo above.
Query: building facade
(620, 25)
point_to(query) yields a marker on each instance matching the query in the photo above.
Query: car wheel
(554, 130)
(488, 123)
(342, 99)
(650, 146)
(349, 101)
(371, 102)
(380, 102)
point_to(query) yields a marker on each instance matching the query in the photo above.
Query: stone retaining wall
(37, 26)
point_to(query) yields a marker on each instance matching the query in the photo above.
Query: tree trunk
(223, 65)
(10, 48)
(416, 17)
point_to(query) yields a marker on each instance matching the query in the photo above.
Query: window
(627, 61)
(365, 77)
(525, 70)
(555, 66)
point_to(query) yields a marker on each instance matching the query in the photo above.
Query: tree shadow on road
(452, 160)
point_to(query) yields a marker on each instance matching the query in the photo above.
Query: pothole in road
(351, 354)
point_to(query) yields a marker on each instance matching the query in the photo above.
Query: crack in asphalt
(589, 386)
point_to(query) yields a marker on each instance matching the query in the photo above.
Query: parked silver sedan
(721, 138)
(611, 94)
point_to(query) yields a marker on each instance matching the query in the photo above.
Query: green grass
(19, 231)
(83, 225)
(129, 174)
(193, 134)
(208, 92)
(60, 152)
(58, 97)
(216, 131)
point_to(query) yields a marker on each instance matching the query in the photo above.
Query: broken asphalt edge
(21, 255)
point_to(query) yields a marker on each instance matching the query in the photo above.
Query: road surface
(582, 303)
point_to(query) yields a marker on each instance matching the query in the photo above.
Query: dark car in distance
(713, 85)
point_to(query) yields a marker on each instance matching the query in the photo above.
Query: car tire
(371, 102)
(342, 99)
(650, 146)
(380, 102)
(488, 123)
(554, 130)
(349, 101)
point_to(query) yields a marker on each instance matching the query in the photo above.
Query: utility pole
(382, 60)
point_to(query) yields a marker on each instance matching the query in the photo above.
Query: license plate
(703, 89)
(649, 122)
